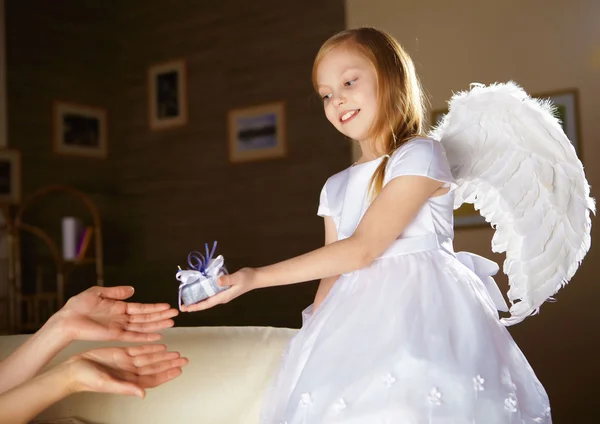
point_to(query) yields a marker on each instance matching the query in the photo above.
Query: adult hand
(124, 370)
(100, 313)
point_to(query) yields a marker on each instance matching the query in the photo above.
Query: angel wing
(513, 162)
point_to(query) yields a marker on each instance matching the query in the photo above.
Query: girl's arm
(326, 283)
(391, 211)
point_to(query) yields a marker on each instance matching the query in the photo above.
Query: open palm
(100, 313)
(127, 371)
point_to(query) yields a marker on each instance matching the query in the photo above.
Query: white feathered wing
(512, 160)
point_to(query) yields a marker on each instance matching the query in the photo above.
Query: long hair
(400, 97)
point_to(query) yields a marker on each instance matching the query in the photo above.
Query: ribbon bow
(485, 270)
(204, 270)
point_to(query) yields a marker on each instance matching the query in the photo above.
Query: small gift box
(200, 282)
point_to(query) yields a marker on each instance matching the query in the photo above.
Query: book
(71, 230)
(84, 243)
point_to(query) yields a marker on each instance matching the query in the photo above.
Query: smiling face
(347, 83)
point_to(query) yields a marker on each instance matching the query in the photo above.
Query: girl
(402, 330)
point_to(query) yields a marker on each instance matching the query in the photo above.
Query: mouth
(348, 116)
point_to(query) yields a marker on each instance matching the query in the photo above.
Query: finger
(155, 316)
(154, 358)
(149, 327)
(132, 336)
(149, 381)
(146, 308)
(219, 298)
(201, 306)
(118, 292)
(145, 349)
(98, 355)
(160, 367)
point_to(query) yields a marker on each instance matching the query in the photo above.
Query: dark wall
(58, 51)
(65, 51)
(164, 193)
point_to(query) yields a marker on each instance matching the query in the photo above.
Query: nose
(339, 100)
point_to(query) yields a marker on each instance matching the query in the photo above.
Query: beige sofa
(223, 383)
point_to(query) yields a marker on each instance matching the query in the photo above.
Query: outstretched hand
(125, 371)
(240, 282)
(100, 313)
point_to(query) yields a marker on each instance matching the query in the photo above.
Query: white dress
(414, 337)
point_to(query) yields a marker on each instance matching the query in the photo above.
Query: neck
(367, 151)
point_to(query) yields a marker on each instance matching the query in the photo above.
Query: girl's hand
(99, 313)
(240, 282)
(125, 371)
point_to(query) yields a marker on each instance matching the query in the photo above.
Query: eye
(351, 82)
(326, 97)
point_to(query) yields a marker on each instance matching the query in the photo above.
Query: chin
(351, 131)
(355, 135)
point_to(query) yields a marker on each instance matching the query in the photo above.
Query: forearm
(328, 261)
(33, 355)
(23, 403)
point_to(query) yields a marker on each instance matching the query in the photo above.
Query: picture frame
(257, 132)
(80, 130)
(10, 177)
(566, 102)
(167, 95)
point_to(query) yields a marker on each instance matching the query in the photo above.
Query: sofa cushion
(224, 381)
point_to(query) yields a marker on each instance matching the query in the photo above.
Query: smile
(348, 115)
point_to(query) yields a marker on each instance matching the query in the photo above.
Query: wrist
(59, 327)
(260, 278)
(62, 380)
(70, 376)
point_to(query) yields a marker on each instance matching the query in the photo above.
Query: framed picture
(80, 130)
(566, 103)
(257, 132)
(10, 176)
(167, 95)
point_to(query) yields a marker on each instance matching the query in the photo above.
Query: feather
(513, 162)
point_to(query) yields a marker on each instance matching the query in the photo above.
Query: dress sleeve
(421, 157)
(324, 203)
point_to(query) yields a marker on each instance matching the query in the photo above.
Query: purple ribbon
(201, 261)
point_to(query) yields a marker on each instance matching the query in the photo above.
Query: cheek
(331, 115)
(371, 95)
(364, 97)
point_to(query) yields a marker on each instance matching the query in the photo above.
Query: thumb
(224, 281)
(126, 388)
(118, 292)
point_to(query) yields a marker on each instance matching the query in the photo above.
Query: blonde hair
(400, 97)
